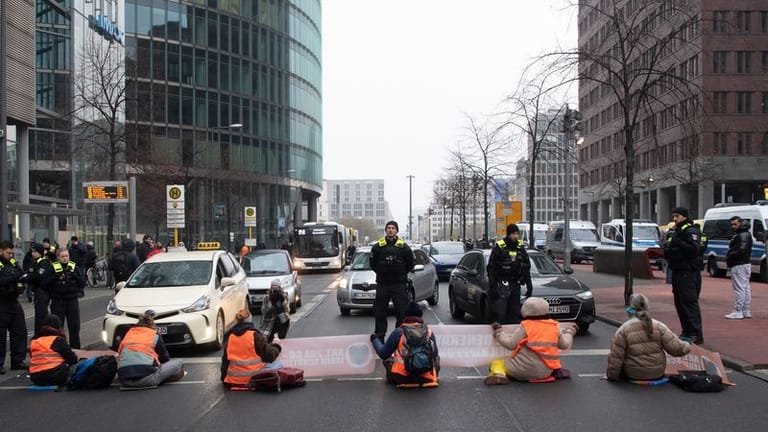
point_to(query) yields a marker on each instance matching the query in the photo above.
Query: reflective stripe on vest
(42, 357)
(398, 363)
(243, 360)
(58, 268)
(398, 243)
(541, 338)
(138, 348)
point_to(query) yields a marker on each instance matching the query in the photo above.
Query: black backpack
(93, 373)
(418, 354)
(120, 266)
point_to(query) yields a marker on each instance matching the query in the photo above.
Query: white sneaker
(735, 315)
(747, 314)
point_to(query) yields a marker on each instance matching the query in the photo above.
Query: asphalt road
(462, 402)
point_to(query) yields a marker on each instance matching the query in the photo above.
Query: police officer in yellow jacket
(69, 287)
(11, 314)
(508, 268)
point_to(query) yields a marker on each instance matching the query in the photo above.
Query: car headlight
(112, 308)
(343, 283)
(335, 262)
(586, 295)
(200, 304)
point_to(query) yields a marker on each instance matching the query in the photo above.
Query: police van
(645, 234)
(718, 230)
(583, 240)
(539, 235)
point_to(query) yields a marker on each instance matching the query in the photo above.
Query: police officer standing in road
(68, 288)
(682, 251)
(41, 278)
(392, 260)
(11, 313)
(508, 268)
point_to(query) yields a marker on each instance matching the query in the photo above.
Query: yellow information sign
(105, 192)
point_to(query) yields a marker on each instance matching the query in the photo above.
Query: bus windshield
(317, 242)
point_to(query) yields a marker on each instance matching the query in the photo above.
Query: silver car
(357, 287)
(262, 266)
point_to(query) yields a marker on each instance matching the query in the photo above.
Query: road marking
(439, 321)
(319, 297)
(469, 377)
(592, 375)
(360, 379)
(586, 352)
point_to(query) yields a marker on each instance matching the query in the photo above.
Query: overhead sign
(249, 216)
(106, 192)
(175, 206)
(106, 28)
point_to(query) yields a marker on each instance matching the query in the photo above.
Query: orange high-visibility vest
(141, 342)
(243, 360)
(42, 357)
(542, 337)
(398, 363)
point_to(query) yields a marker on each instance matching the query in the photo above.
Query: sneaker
(735, 315)
(747, 314)
(686, 339)
(495, 379)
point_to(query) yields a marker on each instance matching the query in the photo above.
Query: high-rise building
(692, 149)
(359, 199)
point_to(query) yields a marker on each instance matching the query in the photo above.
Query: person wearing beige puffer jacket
(638, 347)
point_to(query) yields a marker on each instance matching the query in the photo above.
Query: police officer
(41, 278)
(11, 314)
(392, 260)
(68, 288)
(683, 254)
(508, 267)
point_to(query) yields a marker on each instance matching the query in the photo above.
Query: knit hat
(639, 302)
(512, 228)
(392, 223)
(52, 321)
(413, 310)
(682, 211)
(37, 247)
(242, 315)
(534, 307)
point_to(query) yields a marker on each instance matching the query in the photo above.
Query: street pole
(4, 171)
(410, 206)
(567, 118)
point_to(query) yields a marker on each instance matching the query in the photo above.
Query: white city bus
(320, 246)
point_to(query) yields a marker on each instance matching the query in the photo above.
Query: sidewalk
(743, 344)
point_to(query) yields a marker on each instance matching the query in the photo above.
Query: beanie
(512, 228)
(393, 223)
(682, 211)
(534, 307)
(52, 321)
(413, 310)
(37, 247)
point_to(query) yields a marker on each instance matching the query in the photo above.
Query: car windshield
(645, 232)
(266, 264)
(543, 265)
(361, 261)
(171, 274)
(448, 249)
(582, 234)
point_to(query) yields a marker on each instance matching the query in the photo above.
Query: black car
(569, 299)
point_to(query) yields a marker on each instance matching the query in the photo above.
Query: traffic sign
(250, 216)
(175, 206)
(106, 192)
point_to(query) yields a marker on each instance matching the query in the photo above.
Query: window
(721, 143)
(764, 21)
(720, 102)
(744, 143)
(744, 102)
(743, 21)
(765, 143)
(744, 61)
(764, 103)
(719, 61)
(719, 22)
(764, 58)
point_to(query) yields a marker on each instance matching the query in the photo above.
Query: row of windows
(739, 143)
(721, 62)
(722, 102)
(741, 21)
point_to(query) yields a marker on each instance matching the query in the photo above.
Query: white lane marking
(586, 352)
(319, 297)
(439, 321)
(201, 360)
(360, 379)
(469, 377)
(592, 375)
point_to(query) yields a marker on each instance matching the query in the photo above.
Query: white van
(540, 235)
(583, 236)
(717, 228)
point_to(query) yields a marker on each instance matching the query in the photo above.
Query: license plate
(257, 299)
(162, 330)
(559, 309)
(364, 295)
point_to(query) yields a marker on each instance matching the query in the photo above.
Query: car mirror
(568, 271)
(227, 281)
(472, 272)
(418, 267)
(119, 286)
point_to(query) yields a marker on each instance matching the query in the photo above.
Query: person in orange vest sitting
(410, 353)
(143, 360)
(50, 355)
(246, 352)
(534, 345)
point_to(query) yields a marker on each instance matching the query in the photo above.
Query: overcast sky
(399, 75)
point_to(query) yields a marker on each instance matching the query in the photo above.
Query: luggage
(93, 373)
(291, 377)
(268, 380)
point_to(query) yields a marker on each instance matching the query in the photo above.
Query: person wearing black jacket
(50, 355)
(69, 287)
(508, 268)
(143, 249)
(392, 260)
(252, 354)
(12, 319)
(739, 260)
(124, 261)
(683, 256)
(41, 278)
(77, 254)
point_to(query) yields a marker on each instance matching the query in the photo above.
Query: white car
(194, 296)
(262, 266)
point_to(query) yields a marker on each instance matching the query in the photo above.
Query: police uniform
(392, 260)
(684, 257)
(508, 268)
(64, 298)
(41, 279)
(11, 314)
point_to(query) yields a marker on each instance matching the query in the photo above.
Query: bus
(321, 246)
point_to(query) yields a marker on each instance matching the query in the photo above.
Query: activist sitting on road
(246, 352)
(534, 345)
(274, 313)
(143, 360)
(410, 354)
(50, 355)
(638, 346)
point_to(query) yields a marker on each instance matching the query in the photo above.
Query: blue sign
(106, 28)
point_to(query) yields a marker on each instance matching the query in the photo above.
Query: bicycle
(99, 275)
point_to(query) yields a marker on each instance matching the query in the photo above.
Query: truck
(645, 234)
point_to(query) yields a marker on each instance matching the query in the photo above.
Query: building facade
(359, 199)
(693, 148)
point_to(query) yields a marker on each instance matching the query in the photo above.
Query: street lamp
(410, 206)
(216, 213)
(571, 120)
(291, 214)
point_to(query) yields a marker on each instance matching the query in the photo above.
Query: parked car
(569, 299)
(357, 287)
(262, 266)
(194, 295)
(445, 255)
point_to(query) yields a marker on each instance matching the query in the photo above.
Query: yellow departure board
(106, 192)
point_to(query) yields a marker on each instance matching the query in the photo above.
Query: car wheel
(345, 311)
(435, 295)
(292, 307)
(219, 342)
(298, 299)
(456, 311)
(583, 329)
(712, 268)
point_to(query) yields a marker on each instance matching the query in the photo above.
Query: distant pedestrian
(391, 260)
(143, 249)
(77, 254)
(157, 248)
(90, 256)
(683, 254)
(739, 260)
(124, 261)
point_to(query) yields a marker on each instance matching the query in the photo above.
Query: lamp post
(291, 214)
(648, 185)
(216, 213)
(571, 119)
(410, 206)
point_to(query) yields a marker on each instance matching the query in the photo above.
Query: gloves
(495, 326)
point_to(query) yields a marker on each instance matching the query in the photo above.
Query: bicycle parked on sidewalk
(99, 275)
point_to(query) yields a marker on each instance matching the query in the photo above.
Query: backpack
(418, 355)
(120, 266)
(93, 373)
